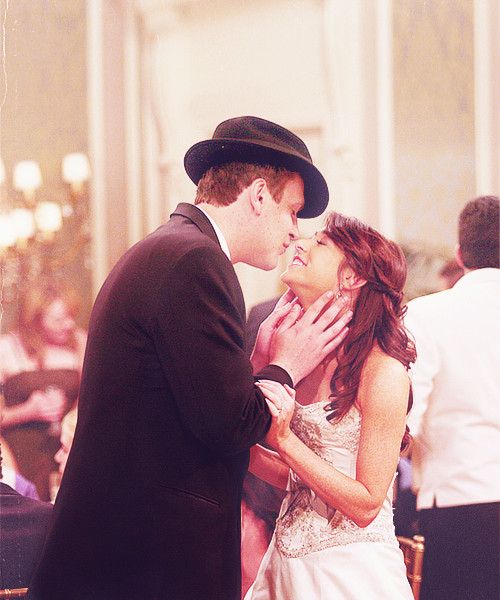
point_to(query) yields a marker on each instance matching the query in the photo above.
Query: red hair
(379, 311)
(33, 302)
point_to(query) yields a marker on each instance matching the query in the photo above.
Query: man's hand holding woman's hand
(281, 402)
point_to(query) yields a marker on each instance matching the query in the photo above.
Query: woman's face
(314, 268)
(58, 323)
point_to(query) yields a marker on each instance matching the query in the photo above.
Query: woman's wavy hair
(33, 302)
(379, 311)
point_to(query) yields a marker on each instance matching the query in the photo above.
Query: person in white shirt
(455, 417)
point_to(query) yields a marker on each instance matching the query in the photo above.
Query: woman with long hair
(40, 364)
(338, 436)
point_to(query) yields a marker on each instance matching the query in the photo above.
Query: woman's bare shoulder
(382, 374)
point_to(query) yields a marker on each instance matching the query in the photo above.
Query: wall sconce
(27, 230)
(45, 218)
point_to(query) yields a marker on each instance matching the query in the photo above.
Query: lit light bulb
(23, 223)
(48, 217)
(7, 231)
(27, 177)
(75, 170)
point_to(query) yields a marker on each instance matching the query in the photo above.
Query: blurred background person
(456, 416)
(40, 364)
(68, 426)
(449, 274)
(23, 527)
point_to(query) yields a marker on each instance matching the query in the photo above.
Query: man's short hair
(478, 233)
(222, 184)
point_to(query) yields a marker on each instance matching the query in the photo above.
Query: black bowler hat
(257, 141)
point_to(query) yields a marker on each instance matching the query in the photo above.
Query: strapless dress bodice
(306, 523)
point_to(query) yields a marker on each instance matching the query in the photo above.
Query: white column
(132, 127)
(385, 119)
(98, 213)
(342, 43)
(487, 99)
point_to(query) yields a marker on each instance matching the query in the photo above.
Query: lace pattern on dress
(307, 524)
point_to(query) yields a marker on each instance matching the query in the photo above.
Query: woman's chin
(288, 279)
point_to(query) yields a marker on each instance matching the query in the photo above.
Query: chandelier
(40, 236)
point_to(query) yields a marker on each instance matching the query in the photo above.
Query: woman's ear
(351, 281)
(257, 192)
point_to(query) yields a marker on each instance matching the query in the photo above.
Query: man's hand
(260, 354)
(301, 343)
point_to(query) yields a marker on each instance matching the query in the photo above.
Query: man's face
(278, 224)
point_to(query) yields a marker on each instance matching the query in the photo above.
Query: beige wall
(433, 118)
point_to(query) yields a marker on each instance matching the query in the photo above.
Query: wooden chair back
(14, 593)
(413, 552)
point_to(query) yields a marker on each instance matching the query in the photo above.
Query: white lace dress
(316, 552)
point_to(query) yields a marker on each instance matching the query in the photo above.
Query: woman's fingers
(275, 413)
(286, 392)
(275, 397)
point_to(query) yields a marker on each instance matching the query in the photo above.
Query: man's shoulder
(15, 504)
(170, 243)
(431, 302)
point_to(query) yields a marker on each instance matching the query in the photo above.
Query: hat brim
(210, 153)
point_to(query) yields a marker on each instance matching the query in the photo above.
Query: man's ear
(458, 256)
(351, 281)
(257, 191)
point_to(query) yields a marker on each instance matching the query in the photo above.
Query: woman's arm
(268, 466)
(382, 398)
(46, 406)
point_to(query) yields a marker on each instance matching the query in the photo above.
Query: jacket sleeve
(199, 337)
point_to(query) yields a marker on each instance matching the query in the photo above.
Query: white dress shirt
(455, 417)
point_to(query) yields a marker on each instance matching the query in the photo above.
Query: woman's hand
(286, 304)
(281, 402)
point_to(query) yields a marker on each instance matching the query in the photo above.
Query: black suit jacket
(149, 505)
(23, 527)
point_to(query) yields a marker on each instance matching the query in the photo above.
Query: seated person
(68, 426)
(40, 362)
(23, 527)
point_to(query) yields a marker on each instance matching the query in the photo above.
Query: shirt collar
(479, 275)
(218, 232)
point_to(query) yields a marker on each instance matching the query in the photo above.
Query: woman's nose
(301, 245)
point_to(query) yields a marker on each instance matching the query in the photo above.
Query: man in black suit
(149, 504)
(23, 527)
